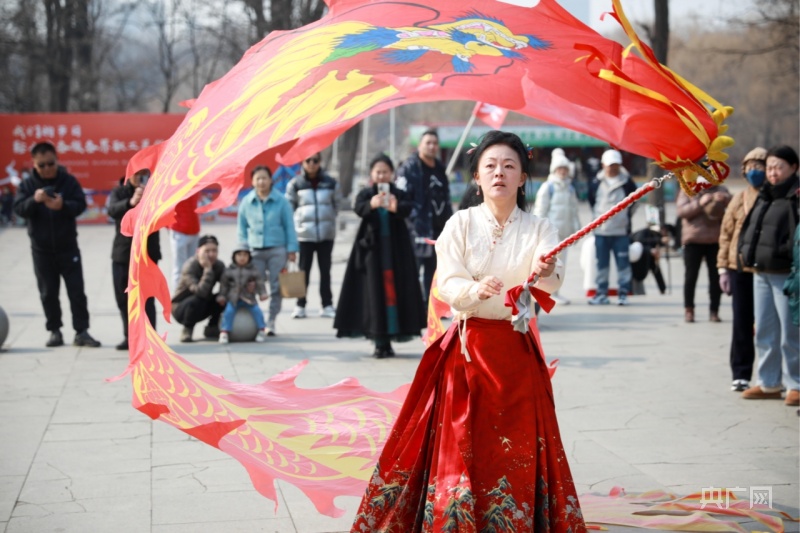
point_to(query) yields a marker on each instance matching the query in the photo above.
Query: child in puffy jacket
(242, 286)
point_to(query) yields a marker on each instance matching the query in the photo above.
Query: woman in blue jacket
(265, 224)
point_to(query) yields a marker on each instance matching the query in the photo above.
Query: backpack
(551, 188)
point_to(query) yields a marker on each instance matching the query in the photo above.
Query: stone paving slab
(643, 402)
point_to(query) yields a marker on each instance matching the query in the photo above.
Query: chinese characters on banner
(94, 147)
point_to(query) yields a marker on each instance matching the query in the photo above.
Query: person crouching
(242, 286)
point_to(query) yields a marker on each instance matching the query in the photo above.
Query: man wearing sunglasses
(316, 199)
(50, 200)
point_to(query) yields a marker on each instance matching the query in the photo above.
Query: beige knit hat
(756, 154)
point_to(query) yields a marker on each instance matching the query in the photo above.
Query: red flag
(326, 441)
(295, 91)
(292, 94)
(492, 115)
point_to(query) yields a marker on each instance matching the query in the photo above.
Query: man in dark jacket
(51, 200)
(423, 178)
(194, 299)
(122, 199)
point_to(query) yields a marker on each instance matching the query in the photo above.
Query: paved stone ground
(643, 401)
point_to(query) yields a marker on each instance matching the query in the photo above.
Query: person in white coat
(559, 153)
(557, 201)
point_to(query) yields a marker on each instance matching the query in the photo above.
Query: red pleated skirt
(476, 446)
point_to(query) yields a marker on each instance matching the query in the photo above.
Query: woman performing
(476, 446)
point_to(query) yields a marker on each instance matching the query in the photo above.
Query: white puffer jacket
(315, 207)
(557, 201)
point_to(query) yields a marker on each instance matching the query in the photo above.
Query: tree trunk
(82, 34)
(281, 15)
(260, 24)
(661, 31)
(164, 22)
(58, 19)
(29, 96)
(348, 147)
(660, 44)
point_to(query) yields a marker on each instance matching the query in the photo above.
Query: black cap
(205, 239)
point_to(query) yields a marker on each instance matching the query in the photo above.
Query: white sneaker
(261, 336)
(599, 299)
(223, 337)
(740, 385)
(299, 312)
(328, 312)
(560, 300)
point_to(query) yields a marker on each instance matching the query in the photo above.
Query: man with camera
(50, 201)
(122, 199)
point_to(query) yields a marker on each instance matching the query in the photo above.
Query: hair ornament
(471, 150)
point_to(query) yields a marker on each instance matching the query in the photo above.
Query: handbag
(292, 282)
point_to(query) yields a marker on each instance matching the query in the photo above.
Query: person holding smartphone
(50, 200)
(122, 199)
(381, 298)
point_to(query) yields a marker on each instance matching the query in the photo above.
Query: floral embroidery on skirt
(476, 447)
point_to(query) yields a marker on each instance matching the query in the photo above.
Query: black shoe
(56, 339)
(211, 332)
(186, 334)
(740, 385)
(123, 345)
(84, 339)
(383, 352)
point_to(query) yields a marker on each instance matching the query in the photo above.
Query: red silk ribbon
(542, 298)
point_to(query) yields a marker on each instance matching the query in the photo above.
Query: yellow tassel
(686, 171)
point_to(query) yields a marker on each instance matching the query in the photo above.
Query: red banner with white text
(95, 147)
